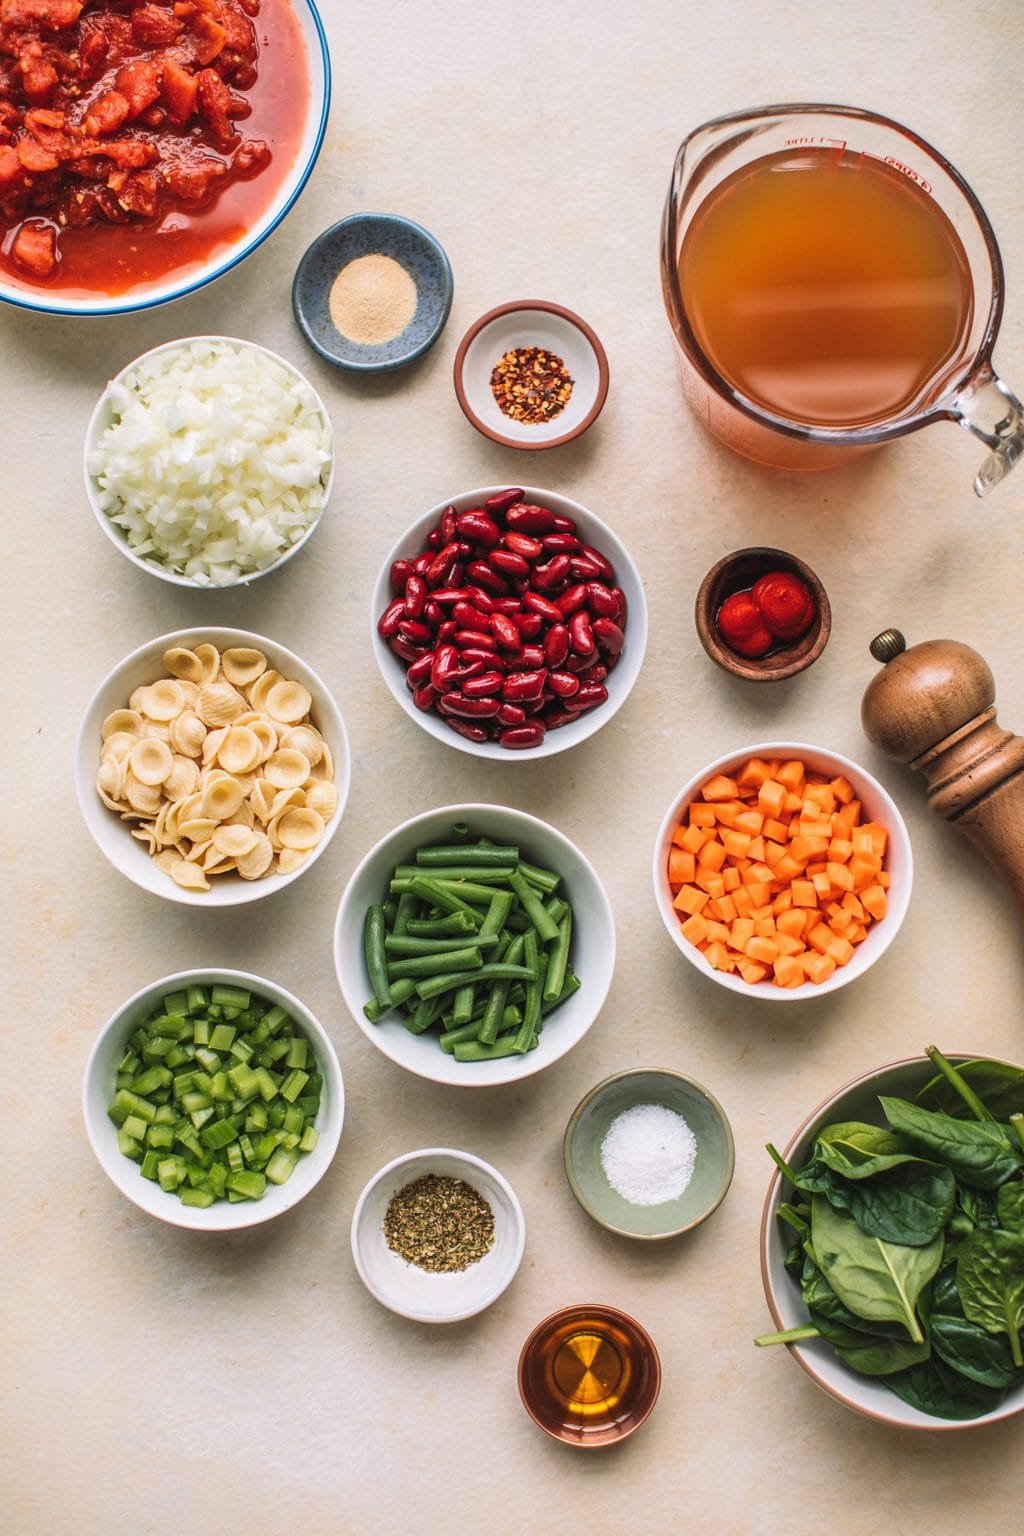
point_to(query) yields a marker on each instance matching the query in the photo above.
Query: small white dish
(99, 1085)
(878, 806)
(592, 954)
(111, 835)
(531, 323)
(105, 415)
(416, 1293)
(619, 681)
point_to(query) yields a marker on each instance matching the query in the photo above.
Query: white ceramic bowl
(105, 414)
(857, 1100)
(112, 835)
(878, 806)
(592, 954)
(223, 1216)
(416, 1293)
(25, 295)
(531, 323)
(620, 680)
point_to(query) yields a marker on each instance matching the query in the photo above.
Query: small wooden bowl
(737, 573)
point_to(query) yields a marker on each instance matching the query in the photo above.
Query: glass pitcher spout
(988, 408)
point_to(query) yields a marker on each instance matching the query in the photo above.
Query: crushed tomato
(131, 132)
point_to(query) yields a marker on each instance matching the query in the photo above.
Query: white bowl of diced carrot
(783, 871)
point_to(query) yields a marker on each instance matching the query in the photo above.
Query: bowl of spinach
(892, 1243)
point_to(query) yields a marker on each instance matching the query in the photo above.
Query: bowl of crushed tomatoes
(763, 614)
(146, 150)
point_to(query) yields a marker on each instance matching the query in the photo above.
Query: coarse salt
(648, 1154)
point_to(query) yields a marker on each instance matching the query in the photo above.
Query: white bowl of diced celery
(214, 1099)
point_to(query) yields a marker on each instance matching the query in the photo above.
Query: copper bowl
(737, 573)
(589, 1376)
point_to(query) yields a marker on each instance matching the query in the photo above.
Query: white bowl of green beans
(267, 1113)
(474, 945)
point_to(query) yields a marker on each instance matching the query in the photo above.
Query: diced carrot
(839, 850)
(720, 788)
(843, 790)
(695, 837)
(726, 812)
(765, 911)
(709, 880)
(792, 775)
(778, 831)
(818, 967)
(758, 874)
(759, 891)
(771, 797)
(791, 922)
(864, 868)
(678, 835)
(741, 932)
(712, 855)
(856, 933)
(839, 875)
(752, 972)
(852, 905)
(862, 841)
(821, 795)
(804, 894)
(763, 949)
(787, 944)
(764, 927)
(788, 868)
(782, 901)
(736, 843)
(681, 866)
(822, 885)
(750, 822)
(773, 852)
(695, 928)
(721, 908)
(874, 901)
(753, 774)
(841, 951)
(756, 849)
(690, 900)
(848, 817)
(788, 972)
(743, 899)
(718, 933)
(820, 937)
(804, 848)
(884, 880)
(702, 815)
(732, 878)
(719, 958)
(793, 802)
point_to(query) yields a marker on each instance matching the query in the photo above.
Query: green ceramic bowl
(713, 1169)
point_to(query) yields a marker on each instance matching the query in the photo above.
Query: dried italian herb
(439, 1224)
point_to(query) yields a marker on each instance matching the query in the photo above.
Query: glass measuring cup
(966, 390)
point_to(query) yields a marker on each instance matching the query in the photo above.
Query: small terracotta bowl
(588, 1396)
(531, 323)
(737, 573)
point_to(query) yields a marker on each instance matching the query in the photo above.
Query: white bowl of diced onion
(209, 461)
(310, 753)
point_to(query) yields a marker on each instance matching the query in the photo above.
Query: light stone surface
(158, 1381)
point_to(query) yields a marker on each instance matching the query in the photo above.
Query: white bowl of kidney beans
(509, 621)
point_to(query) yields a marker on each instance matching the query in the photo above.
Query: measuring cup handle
(990, 410)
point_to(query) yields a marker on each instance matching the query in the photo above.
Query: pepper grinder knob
(932, 706)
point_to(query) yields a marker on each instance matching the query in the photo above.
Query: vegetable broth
(826, 287)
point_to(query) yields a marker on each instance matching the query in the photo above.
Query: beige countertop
(158, 1381)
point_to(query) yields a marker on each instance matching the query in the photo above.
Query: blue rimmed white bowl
(420, 255)
(23, 295)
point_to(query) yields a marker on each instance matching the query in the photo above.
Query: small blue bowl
(373, 234)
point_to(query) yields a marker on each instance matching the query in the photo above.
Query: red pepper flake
(531, 385)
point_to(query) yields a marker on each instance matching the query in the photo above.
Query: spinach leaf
(867, 1353)
(933, 1388)
(965, 1346)
(821, 1299)
(999, 1086)
(979, 1205)
(909, 1204)
(1010, 1208)
(858, 1151)
(990, 1281)
(979, 1152)
(878, 1281)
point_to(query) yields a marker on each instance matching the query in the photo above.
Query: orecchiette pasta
(218, 768)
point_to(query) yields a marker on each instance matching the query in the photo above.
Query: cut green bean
(443, 964)
(427, 1010)
(533, 907)
(498, 971)
(462, 1007)
(407, 906)
(444, 897)
(558, 959)
(461, 833)
(406, 944)
(401, 991)
(453, 1037)
(497, 912)
(483, 874)
(452, 924)
(544, 879)
(476, 1050)
(376, 957)
(486, 854)
(556, 908)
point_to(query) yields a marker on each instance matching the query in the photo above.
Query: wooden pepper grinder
(933, 707)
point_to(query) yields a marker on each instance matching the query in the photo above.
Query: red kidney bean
(563, 684)
(576, 663)
(477, 639)
(423, 562)
(506, 605)
(527, 517)
(623, 613)
(441, 569)
(602, 562)
(538, 603)
(556, 715)
(572, 598)
(551, 575)
(394, 613)
(479, 598)
(521, 687)
(562, 524)
(589, 695)
(529, 625)
(481, 685)
(509, 564)
(608, 636)
(400, 572)
(467, 728)
(448, 524)
(511, 714)
(468, 669)
(502, 500)
(526, 658)
(593, 674)
(468, 617)
(522, 544)
(446, 662)
(505, 632)
(456, 703)
(581, 634)
(406, 648)
(480, 573)
(601, 600)
(419, 671)
(477, 526)
(561, 543)
(472, 656)
(433, 614)
(446, 631)
(585, 569)
(446, 595)
(556, 644)
(424, 698)
(414, 631)
(434, 539)
(521, 736)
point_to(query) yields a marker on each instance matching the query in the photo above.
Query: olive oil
(589, 1374)
(827, 287)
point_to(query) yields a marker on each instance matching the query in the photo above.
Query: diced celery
(170, 1172)
(195, 1173)
(309, 1139)
(222, 1037)
(219, 1134)
(166, 1115)
(176, 1055)
(233, 1154)
(135, 1126)
(152, 1079)
(194, 1100)
(256, 1119)
(129, 1063)
(176, 1003)
(248, 1183)
(231, 997)
(201, 1031)
(201, 1197)
(246, 1146)
(125, 1103)
(297, 1052)
(150, 1163)
(281, 1165)
(244, 1081)
(289, 1140)
(160, 1137)
(293, 1118)
(130, 1146)
(198, 997)
(183, 1082)
(309, 1103)
(294, 1084)
(241, 1050)
(275, 1116)
(215, 1179)
(221, 1087)
(274, 1018)
(199, 1117)
(268, 1087)
(207, 1059)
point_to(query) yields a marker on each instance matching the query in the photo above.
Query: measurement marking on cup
(908, 170)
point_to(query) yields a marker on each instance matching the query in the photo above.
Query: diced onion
(216, 461)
